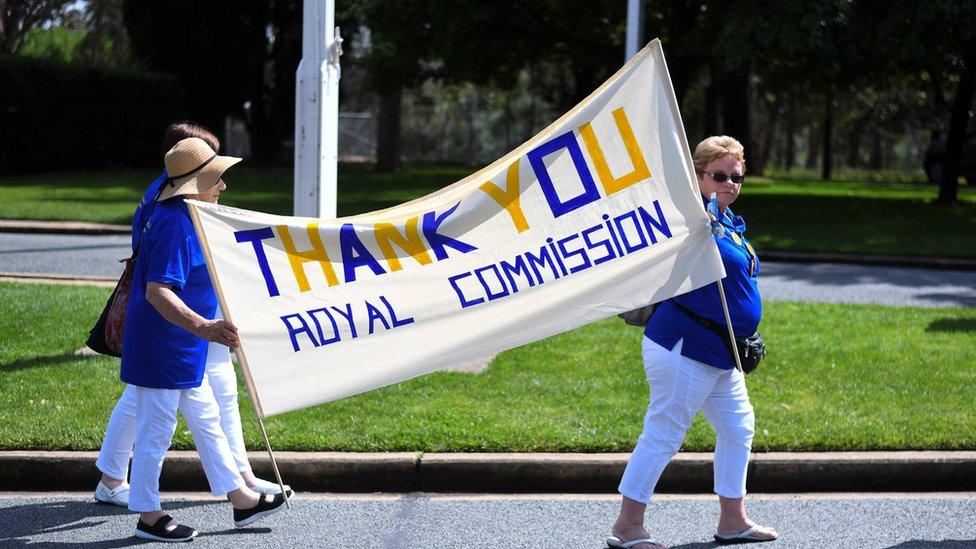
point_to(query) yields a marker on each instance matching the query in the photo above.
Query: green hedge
(55, 116)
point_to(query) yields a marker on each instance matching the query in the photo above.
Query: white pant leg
(678, 386)
(155, 425)
(202, 417)
(120, 435)
(729, 411)
(223, 381)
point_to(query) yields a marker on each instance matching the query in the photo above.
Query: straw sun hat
(193, 167)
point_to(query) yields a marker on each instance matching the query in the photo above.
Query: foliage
(828, 384)
(19, 17)
(55, 43)
(217, 49)
(57, 116)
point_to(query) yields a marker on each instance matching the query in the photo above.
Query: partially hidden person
(169, 326)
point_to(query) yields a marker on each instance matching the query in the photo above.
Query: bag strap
(714, 327)
(152, 206)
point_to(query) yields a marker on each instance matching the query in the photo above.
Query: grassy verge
(110, 197)
(838, 378)
(893, 217)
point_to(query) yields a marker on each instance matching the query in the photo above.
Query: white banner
(597, 214)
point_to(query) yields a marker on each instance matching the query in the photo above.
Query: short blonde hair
(715, 147)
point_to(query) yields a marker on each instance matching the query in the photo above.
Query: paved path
(99, 255)
(417, 520)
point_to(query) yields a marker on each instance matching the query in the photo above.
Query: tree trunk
(711, 103)
(789, 150)
(813, 147)
(949, 186)
(826, 167)
(388, 131)
(875, 162)
(854, 144)
(767, 137)
(735, 109)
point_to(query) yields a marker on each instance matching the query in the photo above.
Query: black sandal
(160, 532)
(265, 507)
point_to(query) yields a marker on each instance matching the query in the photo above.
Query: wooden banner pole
(274, 464)
(728, 323)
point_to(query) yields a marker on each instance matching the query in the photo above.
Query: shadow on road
(22, 522)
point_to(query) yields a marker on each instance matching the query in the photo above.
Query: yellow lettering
(509, 198)
(387, 235)
(609, 182)
(298, 259)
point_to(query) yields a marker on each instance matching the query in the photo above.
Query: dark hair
(179, 131)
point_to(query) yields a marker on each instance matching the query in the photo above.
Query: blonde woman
(690, 368)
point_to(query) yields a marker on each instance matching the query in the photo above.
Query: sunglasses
(720, 177)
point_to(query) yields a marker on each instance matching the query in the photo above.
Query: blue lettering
(293, 331)
(660, 223)
(537, 160)
(335, 327)
(355, 254)
(439, 242)
(454, 284)
(255, 236)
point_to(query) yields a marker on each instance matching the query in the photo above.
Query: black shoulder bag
(751, 350)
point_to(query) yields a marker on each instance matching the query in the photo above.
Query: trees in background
(800, 83)
(19, 17)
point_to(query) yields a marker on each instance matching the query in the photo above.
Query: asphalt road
(938, 521)
(99, 255)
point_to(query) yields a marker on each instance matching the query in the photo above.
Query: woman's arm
(171, 307)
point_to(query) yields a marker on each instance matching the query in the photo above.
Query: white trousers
(155, 425)
(680, 387)
(219, 379)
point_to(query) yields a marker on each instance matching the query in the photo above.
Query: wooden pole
(274, 464)
(728, 323)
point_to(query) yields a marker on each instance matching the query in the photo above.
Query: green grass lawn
(893, 217)
(838, 378)
(110, 197)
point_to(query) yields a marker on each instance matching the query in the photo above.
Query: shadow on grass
(42, 361)
(52, 517)
(952, 325)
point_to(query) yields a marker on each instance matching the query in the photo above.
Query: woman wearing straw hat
(120, 433)
(164, 351)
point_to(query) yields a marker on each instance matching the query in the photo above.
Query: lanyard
(741, 242)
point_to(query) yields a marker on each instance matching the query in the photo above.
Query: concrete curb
(62, 227)
(86, 228)
(926, 471)
(873, 260)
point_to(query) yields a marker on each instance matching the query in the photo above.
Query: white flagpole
(317, 112)
(635, 28)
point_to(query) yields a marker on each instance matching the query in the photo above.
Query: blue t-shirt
(669, 324)
(142, 213)
(155, 352)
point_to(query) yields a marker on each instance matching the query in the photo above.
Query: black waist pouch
(751, 350)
